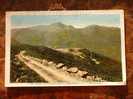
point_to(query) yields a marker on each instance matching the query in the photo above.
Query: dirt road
(51, 75)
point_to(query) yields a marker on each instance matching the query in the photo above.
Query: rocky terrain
(78, 63)
(52, 72)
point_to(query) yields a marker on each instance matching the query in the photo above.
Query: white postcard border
(79, 12)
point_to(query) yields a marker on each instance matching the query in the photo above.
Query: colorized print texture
(66, 49)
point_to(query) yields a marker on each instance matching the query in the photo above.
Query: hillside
(94, 64)
(100, 39)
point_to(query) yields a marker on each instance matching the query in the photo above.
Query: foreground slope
(94, 64)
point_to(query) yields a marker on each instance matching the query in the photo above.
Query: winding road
(50, 74)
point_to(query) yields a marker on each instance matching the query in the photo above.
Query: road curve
(49, 74)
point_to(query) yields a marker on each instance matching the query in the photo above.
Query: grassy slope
(100, 39)
(108, 69)
(20, 72)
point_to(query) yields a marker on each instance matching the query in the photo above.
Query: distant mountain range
(100, 39)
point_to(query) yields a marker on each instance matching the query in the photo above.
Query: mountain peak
(58, 24)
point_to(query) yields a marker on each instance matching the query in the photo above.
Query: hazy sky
(78, 21)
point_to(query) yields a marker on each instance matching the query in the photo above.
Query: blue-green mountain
(100, 39)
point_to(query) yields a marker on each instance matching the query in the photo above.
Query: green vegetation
(99, 49)
(108, 69)
(100, 39)
(20, 72)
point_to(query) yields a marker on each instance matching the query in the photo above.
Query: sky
(78, 21)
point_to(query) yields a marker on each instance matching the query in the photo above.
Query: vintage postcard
(65, 48)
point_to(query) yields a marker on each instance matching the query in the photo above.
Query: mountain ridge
(62, 24)
(101, 39)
